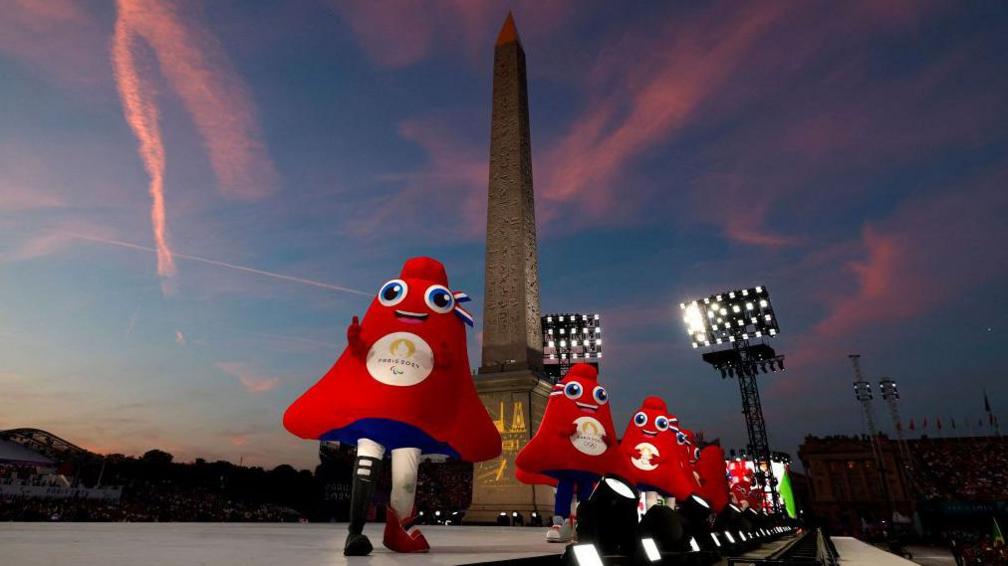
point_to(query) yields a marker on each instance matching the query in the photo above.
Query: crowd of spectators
(970, 547)
(961, 469)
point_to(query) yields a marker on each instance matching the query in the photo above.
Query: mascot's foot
(357, 545)
(399, 537)
(561, 531)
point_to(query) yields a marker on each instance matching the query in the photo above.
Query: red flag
(912, 424)
(939, 423)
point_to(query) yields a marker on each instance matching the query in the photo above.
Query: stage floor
(162, 544)
(94, 544)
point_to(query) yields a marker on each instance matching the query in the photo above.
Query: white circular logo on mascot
(647, 451)
(401, 359)
(590, 436)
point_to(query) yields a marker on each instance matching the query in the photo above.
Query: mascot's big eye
(393, 292)
(601, 395)
(661, 423)
(439, 299)
(573, 390)
(640, 419)
(680, 438)
(696, 453)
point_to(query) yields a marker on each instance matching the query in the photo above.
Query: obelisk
(510, 379)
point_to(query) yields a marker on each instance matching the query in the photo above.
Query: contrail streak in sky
(208, 261)
(142, 115)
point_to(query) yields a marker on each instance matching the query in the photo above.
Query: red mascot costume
(656, 460)
(402, 385)
(574, 446)
(713, 477)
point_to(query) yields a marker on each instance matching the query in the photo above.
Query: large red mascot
(656, 460)
(574, 446)
(402, 385)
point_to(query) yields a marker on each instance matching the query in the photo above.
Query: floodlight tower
(863, 393)
(890, 394)
(734, 318)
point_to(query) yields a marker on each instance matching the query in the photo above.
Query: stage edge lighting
(731, 539)
(586, 555)
(717, 541)
(651, 549)
(693, 545)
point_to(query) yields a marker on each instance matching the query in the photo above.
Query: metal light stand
(862, 390)
(759, 446)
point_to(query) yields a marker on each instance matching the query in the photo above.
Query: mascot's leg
(400, 535)
(562, 529)
(650, 499)
(367, 468)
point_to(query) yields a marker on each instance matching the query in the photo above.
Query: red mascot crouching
(401, 385)
(657, 463)
(574, 446)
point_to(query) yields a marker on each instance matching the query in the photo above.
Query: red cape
(403, 380)
(576, 433)
(654, 458)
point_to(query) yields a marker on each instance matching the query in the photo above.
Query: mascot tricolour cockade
(402, 385)
(574, 446)
(657, 461)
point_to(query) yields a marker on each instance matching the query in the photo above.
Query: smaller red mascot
(690, 454)
(575, 445)
(713, 477)
(655, 458)
(740, 480)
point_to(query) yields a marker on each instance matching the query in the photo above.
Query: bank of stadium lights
(888, 389)
(570, 338)
(727, 317)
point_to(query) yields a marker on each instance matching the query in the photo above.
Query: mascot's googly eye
(696, 453)
(680, 438)
(439, 299)
(640, 419)
(661, 423)
(601, 395)
(573, 390)
(393, 292)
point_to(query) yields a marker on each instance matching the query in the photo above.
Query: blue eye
(573, 390)
(393, 292)
(439, 299)
(680, 438)
(640, 419)
(601, 395)
(696, 453)
(661, 423)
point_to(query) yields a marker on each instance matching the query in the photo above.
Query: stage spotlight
(731, 539)
(586, 555)
(609, 517)
(502, 519)
(650, 549)
(665, 527)
(693, 545)
(742, 536)
(717, 541)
